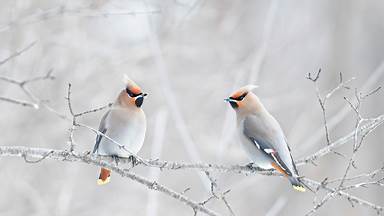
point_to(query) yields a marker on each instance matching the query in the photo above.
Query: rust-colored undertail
(279, 169)
(104, 176)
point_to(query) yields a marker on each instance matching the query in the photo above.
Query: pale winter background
(188, 55)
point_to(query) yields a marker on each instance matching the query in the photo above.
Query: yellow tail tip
(101, 182)
(299, 188)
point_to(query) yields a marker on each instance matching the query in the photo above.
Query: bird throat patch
(234, 105)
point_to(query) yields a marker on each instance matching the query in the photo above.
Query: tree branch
(340, 142)
(351, 198)
(60, 155)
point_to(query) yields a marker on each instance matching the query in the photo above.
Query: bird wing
(103, 130)
(293, 162)
(259, 133)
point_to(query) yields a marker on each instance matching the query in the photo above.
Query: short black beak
(233, 103)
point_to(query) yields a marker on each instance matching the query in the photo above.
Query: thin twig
(59, 155)
(19, 102)
(340, 142)
(17, 53)
(23, 86)
(344, 111)
(38, 160)
(94, 110)
(60, 11)
(359, 120)
(323, 100)
(357, 142)
(74, 124)
(351, 198)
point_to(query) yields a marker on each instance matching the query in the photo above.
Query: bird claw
(116, 159)
(250, 165)
(133, 160)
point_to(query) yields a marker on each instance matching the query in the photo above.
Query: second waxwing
(125, 124)
(261, 135)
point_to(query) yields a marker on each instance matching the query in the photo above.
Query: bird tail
(296, 183)
(104, 176)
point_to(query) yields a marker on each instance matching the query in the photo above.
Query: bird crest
(131, 85)
(242, 90)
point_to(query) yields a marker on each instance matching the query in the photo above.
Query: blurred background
(188, 55)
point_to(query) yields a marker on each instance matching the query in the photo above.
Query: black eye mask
(240, 98)
(131, 94)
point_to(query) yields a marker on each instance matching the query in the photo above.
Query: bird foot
(116, 159)
(133, 160)
(250, 165)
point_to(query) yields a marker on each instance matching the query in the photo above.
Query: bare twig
(216, 194)
(17, 53)
(351, 198)
(59, 155)
(325, 199)
(313, 78)
(19, 102)
(369, 175)
(345, 110)
(357, 142)
(374, 123)
(35, 102)
(323, 100)
(359, 120)
(94, 110)
(38, 160)
(74, 124)
(60, 11)
(379, 182)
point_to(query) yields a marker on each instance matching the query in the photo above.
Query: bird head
(242, 98)
(132, 95)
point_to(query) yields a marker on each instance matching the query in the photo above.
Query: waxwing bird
(125, 124)
(261, 135)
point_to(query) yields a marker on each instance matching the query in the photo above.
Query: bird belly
(130, 135)
(128, 145)
(255, 155)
